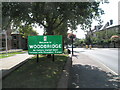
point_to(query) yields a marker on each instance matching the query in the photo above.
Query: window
(14, 37)
(3, 44)
(14, 44)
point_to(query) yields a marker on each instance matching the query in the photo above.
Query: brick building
(3, 39)
(14, 41)
(18, 42)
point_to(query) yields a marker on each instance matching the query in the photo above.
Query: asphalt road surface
(107, 56)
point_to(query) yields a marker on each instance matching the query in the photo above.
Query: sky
(111, 12)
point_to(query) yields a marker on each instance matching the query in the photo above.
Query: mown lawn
(44, 74)
(9, 54)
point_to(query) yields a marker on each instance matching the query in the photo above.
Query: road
(107, 56)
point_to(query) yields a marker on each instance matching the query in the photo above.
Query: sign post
(46, 44)
(37, 58)
(53, 58)
(71, 36)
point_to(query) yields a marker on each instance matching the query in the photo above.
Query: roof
(111, 26)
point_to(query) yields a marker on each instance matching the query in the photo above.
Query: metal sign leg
(37, 58)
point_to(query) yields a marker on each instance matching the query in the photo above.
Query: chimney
(108, 24)
(111, 22)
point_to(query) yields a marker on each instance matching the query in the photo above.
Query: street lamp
(71, 36)
(5, 32)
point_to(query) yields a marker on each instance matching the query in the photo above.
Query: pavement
(84, 73)
(88, 73)
(9, 64)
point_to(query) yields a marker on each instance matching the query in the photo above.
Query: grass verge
(10, 54)
(44, 74)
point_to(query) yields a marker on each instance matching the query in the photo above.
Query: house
(14, 41)
(18, 42)
(3, 36)
(103, 35)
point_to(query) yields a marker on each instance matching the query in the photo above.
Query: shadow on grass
(86, 76)
(44, 74)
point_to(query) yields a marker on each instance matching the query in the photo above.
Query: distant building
(14, 41)
(108, 31)
(104, 34)
(18, 42)
(3, 39)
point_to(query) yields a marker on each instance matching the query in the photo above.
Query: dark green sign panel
(48, 44)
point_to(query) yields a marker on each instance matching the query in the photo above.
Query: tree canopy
(55, 17)
(27, 30)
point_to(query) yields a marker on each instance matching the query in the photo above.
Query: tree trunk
(49, 32)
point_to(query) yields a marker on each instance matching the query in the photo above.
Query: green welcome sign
(47, 44)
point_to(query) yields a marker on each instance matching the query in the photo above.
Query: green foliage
(51, 15)
(14, 12)
(27, 30)
(88, 40)
(77, 42)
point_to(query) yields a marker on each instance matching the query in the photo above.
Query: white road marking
(108, 68)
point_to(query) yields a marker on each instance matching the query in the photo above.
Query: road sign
(47, 44)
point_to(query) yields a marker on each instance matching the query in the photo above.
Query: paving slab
(88, 73)
(9, 62)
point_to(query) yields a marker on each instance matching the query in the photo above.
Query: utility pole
(72, 45)
(5, 33)
(71, 36)
(6, 44)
